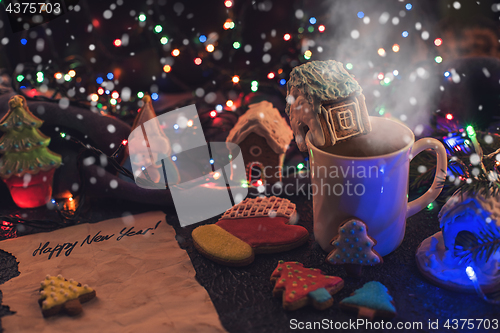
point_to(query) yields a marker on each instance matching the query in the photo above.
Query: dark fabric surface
(243, 296)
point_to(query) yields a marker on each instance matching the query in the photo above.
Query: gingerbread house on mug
(334, 96)
(263, 136)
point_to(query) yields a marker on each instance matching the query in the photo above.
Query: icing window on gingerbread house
(345, 119)
(255, 151)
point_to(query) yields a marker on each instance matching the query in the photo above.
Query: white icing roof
(265, 120)
(490, 207)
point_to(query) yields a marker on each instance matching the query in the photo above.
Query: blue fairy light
(202, 38)
(408, 6)
(176, 126)
(282, 82)
(110, 76)
(361, 14)
(24, 41)
(446, 74)
(405, 34)
(154, 96)
(312, 20)
(99, 80)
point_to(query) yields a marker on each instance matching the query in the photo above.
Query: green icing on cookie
(322, 81)
(373, 295)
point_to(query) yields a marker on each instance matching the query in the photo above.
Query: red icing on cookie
(297, 281)
(264, 231)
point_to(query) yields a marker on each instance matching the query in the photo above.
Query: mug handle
(421, 202)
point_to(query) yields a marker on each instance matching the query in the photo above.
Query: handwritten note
(144, 281)
(67, 248)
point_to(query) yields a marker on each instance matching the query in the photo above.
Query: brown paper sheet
(143, 280)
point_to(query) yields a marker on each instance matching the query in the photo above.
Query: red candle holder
(31, 193)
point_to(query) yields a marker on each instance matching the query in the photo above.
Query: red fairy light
(449, 116)
(213, 113)
(124, 142)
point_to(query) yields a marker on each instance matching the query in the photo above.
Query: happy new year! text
(67, 248)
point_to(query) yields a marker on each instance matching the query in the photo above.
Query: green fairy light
(39, 77)
(62, 134)
(438, 59)
(158, 28)
(471, 132)
(310, 29)
(236, 45)
(300, 166)
(140, 94)
(20, 77)
(142, 17)
(164, 40)
(255, 86)
(349, 66)
(301, 30)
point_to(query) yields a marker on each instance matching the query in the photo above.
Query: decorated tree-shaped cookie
(27, 165)
(58, 294)
(370, 301)
(300, 286)
(353, 248)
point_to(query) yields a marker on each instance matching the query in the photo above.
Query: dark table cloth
(243, 296)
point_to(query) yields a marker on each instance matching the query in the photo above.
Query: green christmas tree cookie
(27, 165)
(370, 301)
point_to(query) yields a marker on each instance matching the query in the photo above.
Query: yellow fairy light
(381, 52)
(210, 48)
(395, 48)
(229, 103)
(72, 73)
(189, 123)
(94, 97)
(236, 79)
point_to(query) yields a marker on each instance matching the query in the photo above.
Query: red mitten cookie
(300, 286)
(58, 294)
(262, 223)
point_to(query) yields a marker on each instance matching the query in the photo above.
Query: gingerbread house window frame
(344, 117)
(330, 118)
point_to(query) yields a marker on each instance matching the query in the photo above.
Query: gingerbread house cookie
(146, 144)
(470, 225)
(263, 136)
(323, 96)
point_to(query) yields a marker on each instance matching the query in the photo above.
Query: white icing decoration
(271, 127)
(443, 265)
(466, 212)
